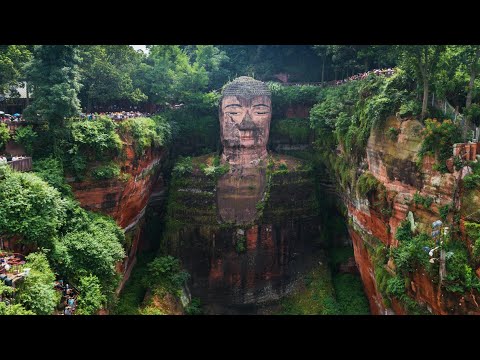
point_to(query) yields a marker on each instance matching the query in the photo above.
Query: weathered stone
(245, 114)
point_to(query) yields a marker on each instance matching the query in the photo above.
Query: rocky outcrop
(394, 164)
(125, 200)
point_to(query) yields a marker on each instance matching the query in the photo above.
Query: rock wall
(126, 200)
(394, 164)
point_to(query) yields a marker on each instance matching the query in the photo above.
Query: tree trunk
(473, 69)
(27, 102)
(89, 105)
(323, 70)
(425, 97)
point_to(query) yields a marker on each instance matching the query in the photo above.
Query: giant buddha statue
(245, 114)
(244, 235)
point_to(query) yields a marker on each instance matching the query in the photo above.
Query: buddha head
(245, 113)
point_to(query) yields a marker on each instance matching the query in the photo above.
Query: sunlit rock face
(245, 114)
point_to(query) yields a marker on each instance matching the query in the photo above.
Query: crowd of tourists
(361, 76)
(7, 117)
(11, 270)
(6, 158)
(69, 297)
(117, 115)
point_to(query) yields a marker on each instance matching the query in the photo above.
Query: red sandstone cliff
(125, 200)
(393, 164)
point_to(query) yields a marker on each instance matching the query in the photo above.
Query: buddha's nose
(247, 123)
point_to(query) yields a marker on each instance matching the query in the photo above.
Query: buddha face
(245, 122)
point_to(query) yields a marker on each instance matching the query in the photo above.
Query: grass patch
(351, 298)
(317, 296)
(133, 293)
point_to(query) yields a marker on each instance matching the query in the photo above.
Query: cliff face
(393, 164)
(125, 200)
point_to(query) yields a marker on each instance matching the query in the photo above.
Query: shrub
(165, 272)
(438, 141)
(51, 170)
(215, 170)
(444, 210)
(241, 244)
(194, 307)
(366, 184)
(147, 132)
(425, 201)
(183, 166)
(30, 208)
(26, 137)
(410, 254)
(16, 309)
(410, 108)
(473, 231)
(396, 287)
(92, 248)
(96, 139)
(108, 171)
(392, 133)
(91, 297)
(36, 292)
(471, 181)
(460, 276)
(4, 135)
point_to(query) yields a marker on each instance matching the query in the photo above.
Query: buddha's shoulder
(286, 161)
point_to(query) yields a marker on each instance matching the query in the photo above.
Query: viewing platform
(24, 164)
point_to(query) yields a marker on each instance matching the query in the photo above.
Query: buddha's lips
(247, 134)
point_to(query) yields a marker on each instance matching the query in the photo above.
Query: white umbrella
(1, 113)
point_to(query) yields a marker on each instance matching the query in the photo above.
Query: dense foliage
(91, 298)
(4, 135)
(55, 75)
(51, 170)
(12, 61)
(36, 292)
(438, 141)
(165, 272)
(79, 243)
(94, 247)
(26, 137)
(30, 208)
(146, 132)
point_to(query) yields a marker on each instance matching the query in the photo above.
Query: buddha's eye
(262, 113)
(232, 113)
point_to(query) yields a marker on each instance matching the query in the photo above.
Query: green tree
(91, 298)
(36, 292)
(322, 51)
(93, 247)
(51, 170)
(107, 75)
(12, 61)
(16, 309)
(26, 136)
(55, 76)
(30, 208)
(4, 135)
(424, 60)
(212, 59)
